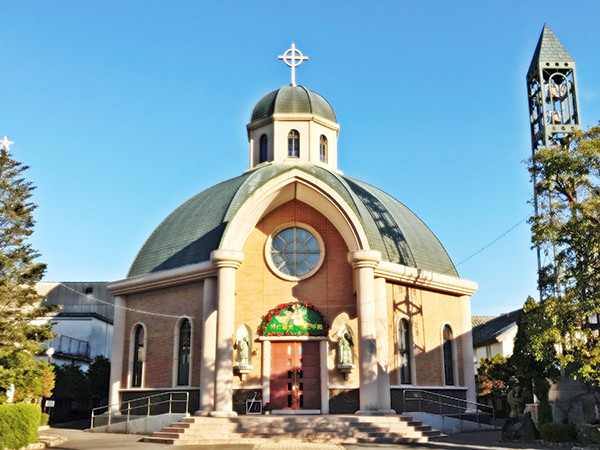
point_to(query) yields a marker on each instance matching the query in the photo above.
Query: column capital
(364, 259)
(226, 258)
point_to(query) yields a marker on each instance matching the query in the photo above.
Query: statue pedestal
(242, 371)
(346, 369)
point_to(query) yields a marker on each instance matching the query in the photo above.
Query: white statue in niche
(243, 346)
(345, 347)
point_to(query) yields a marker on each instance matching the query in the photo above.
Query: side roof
(487, 329)
(194, 229)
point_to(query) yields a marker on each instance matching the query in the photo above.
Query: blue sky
(124, 110)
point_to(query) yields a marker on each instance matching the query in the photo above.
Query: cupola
(293, 125)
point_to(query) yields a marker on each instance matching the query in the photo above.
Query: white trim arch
(295, 185)
(176, 345)
(131, 358)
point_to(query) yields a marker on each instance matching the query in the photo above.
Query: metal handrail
(442, 401)
(145, 402)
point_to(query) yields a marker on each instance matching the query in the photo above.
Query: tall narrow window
(294, 144)
(404, 351)
(323, 148)
(183, 366)
(138, 356)
(264, 148)
(448, 356)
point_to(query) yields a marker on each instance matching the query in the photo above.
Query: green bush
(44, 419)
(557, 432)
(19, 424)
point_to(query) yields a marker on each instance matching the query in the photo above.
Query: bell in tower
(552, 92)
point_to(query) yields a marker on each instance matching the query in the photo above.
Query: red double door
(295, 377)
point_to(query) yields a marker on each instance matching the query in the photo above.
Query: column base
(376, 412)
(223, 414)
(202, 413)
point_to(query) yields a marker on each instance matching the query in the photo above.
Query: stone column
(209, 342)
(117, 352)
(364, 263)
(382, 334)
(226, 262)
(468, 362)
(266, 371)
(324, 370)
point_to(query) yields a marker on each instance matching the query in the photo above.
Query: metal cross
(5, 143)
(293, 58)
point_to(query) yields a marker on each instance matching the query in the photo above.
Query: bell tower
(552, 92)
(553, 111)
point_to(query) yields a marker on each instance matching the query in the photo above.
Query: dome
(194, 229)
(292, 100)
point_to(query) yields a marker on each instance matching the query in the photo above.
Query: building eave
(164, 278)
(425, 279)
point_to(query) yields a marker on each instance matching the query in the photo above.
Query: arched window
(404, 351)
(183, 359)
(138, 356)
(294, 144)
(448, 355)
(323, 148)
(264, 148)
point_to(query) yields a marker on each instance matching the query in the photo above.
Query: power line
(495, 240)
(90, 297)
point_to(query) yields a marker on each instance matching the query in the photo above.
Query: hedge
(19, 425)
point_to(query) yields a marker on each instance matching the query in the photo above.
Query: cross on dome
(5, 143)
(293, 58)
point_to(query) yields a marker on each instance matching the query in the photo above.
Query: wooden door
(295, 376)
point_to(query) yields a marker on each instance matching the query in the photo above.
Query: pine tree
(20, 340)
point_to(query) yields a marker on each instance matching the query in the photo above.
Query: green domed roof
(193, 230)
(292, 100)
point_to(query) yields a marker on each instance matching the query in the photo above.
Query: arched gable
(295, 185)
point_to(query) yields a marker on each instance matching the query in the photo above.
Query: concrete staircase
(331, 429)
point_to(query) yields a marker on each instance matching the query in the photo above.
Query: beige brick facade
(179, 301)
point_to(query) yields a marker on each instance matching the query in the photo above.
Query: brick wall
(427, 312)
(259, 289)
(179, 301)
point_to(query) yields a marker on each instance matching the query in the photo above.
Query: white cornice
(164, 278)
(287, 117)
(425, 279)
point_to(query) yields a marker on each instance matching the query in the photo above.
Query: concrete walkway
(483, 440)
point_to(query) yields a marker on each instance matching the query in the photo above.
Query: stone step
(327, 429)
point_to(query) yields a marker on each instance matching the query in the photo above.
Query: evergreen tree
(20, 340)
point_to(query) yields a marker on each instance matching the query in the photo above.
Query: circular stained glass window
(294, 252)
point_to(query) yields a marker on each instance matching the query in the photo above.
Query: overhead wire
(173, 316)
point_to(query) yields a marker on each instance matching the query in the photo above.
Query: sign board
(294, 319)
(49, 403)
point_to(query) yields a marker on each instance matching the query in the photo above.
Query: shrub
(557, 432)
(44, 419)
(19, 425)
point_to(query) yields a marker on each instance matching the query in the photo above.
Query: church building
(293, 283)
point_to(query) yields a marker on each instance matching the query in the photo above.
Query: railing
(445, 405)
(70, 346)
(141, 407)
